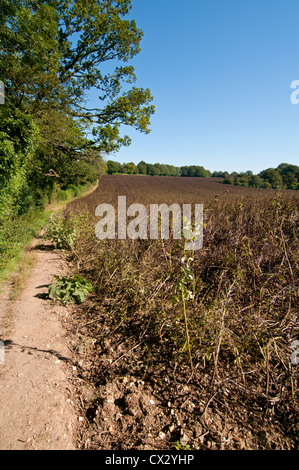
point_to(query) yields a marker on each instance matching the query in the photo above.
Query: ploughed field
(158, 189)
(179, 349)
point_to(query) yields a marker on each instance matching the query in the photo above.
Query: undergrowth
(16, 232)
(232, 346)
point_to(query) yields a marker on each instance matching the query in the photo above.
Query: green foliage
(142, 168)
(48, 71)
(67, 289)
(73, 190)
(51, 56)
(285, 176)
(62, 232)
(157, 169)
(130, 169)
(290, 175)
(179, 446)
(63, 195)
(53, 70)
(273, 177)
(16, 232)
(195, 171)
(220, 174)
(113, 167)
(17, 134)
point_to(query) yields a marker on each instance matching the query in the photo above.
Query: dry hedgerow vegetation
(138, 385)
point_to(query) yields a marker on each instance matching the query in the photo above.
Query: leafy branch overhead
(91, 34)
(55, 55)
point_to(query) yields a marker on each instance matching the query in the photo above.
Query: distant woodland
(284, 176)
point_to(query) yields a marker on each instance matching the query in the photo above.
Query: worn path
(36, 400)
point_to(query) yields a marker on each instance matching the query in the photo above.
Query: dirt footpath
(37, 411)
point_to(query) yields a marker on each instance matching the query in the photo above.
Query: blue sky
(220, 73)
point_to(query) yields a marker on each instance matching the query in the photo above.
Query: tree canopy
(53, 54)
(284, 176)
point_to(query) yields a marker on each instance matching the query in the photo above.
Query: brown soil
(36, 398)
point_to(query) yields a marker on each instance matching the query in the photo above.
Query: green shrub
(68, 289)
(62, 232)
(62, 195)
(74, 190)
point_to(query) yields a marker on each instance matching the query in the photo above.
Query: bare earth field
(158, 189)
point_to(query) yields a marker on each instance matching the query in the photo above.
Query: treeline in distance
(284, 176)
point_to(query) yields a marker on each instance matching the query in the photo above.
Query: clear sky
(220, 72)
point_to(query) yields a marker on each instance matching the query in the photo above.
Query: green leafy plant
(68, 289)
(62, 232)
(179, 446)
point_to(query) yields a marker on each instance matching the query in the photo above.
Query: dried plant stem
(187, 330)
(217, 352)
